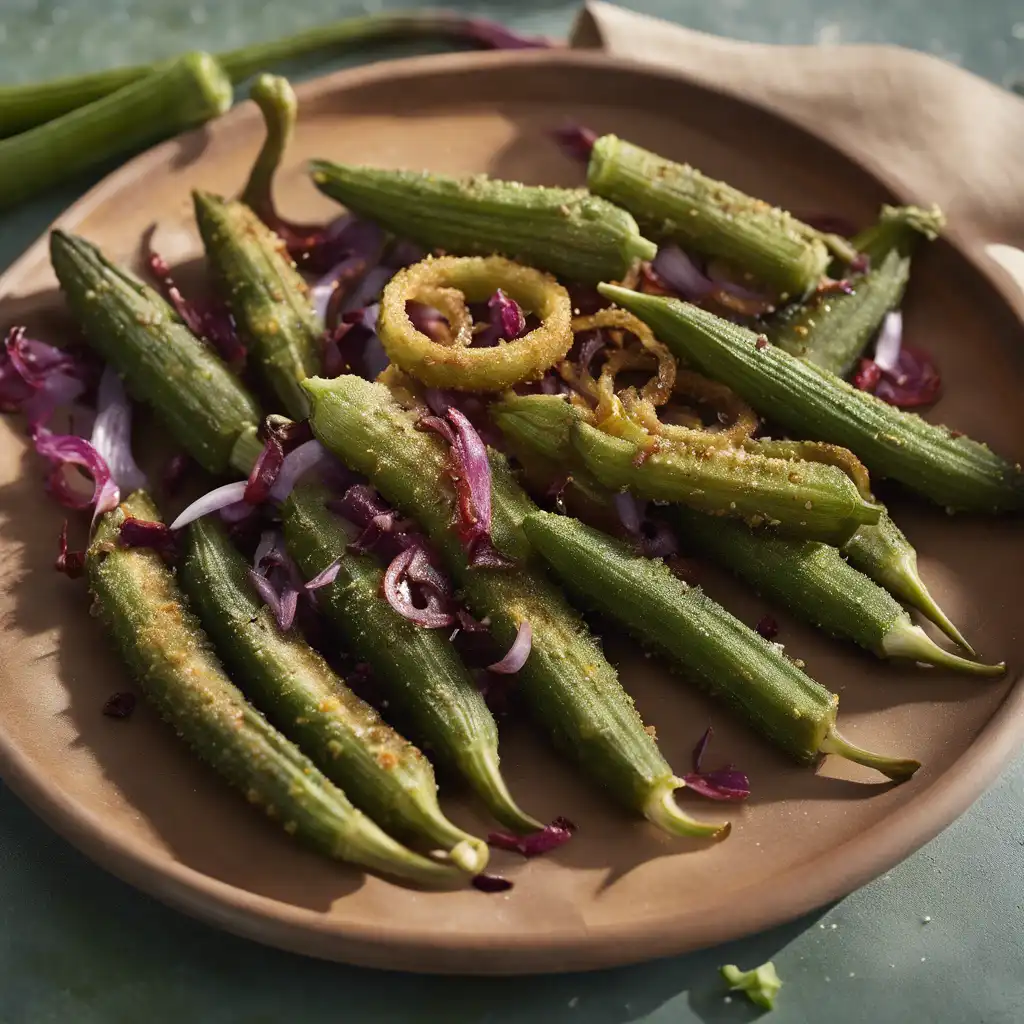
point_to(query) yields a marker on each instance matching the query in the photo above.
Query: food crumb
(926, 919)
(726, 999)
(923, 959)
(574, 1002)
(833, 926)
(852, 975)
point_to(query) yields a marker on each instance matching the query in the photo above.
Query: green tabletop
(939, 939)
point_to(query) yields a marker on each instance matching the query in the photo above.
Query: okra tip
(898, 769)
(469, 855)
(661, 809)
(925, 603)
(480, 766)
(909, 641)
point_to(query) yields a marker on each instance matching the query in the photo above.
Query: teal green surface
(79, 947)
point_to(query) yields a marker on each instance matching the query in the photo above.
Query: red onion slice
(397, 593)
(677, 269)
(890, 341)
(517, 653)
(213, 501)
(506, 315)
(629, 512)
(326, 577)
(71, 563)
(36, 378)
(549, 838)
(916, 380)
(64, 450)
(283, 606)
(142, 533)
(296, 465)
(210, 321)
(721, 784)
(576, 140)
(112, 433)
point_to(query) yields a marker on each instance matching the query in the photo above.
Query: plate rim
(795, 892)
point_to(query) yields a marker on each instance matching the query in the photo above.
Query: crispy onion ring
(817, 451)
(436, 281)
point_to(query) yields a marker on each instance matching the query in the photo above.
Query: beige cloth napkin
(934, 132)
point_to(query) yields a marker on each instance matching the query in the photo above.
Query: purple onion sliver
(767, 626)
(64, 450)
(287, 608)
(213, 501)
(507, 315)
(267, 551)
(323, 288)
(679, 272)
(141, 533)
(700, 748)
(326, 577)
(493, 35)
(890, 341)
(112, 433)
(491, 883)
(267, 591)
(296, 464)
(577, 141)
(518, 653)
(629, 512)
(723, 784)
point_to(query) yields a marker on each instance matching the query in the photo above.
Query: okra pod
(568, 685)
(676, 203)
(833, 329)
(268, 297)
(179, 95)
(802, 499)
(883, 553)
(542, 424)
(806, 499)
(567, 231)
(383, 774)
(943, 465)
(200, 401)
(818, 585)
(713, 648)
(161, 642)
(417, 670)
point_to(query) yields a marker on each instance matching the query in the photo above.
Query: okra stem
(949, 468)
(202, 403)
(898, 769)
(816, 583)
(279, 106)
(171, 659)
(675, 202)
(569, 232)
(884, 554)
(181, 95)
(380, 771)
(566, 682)
(417, 669)
(713, 648)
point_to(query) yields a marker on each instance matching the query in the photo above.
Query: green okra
(160, 640)
(201, 402)
(416, 669)
(805, 499)
(381, 772)
(883, 553)
(943, 465)
(822, 585)
(676, 203)
(818, 585)
(568, 685)
(712, 648)
(566, 231)
(832, 330)
(179, 95)
(268, 297)
(799, 498)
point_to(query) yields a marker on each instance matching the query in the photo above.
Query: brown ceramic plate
(131, 797)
